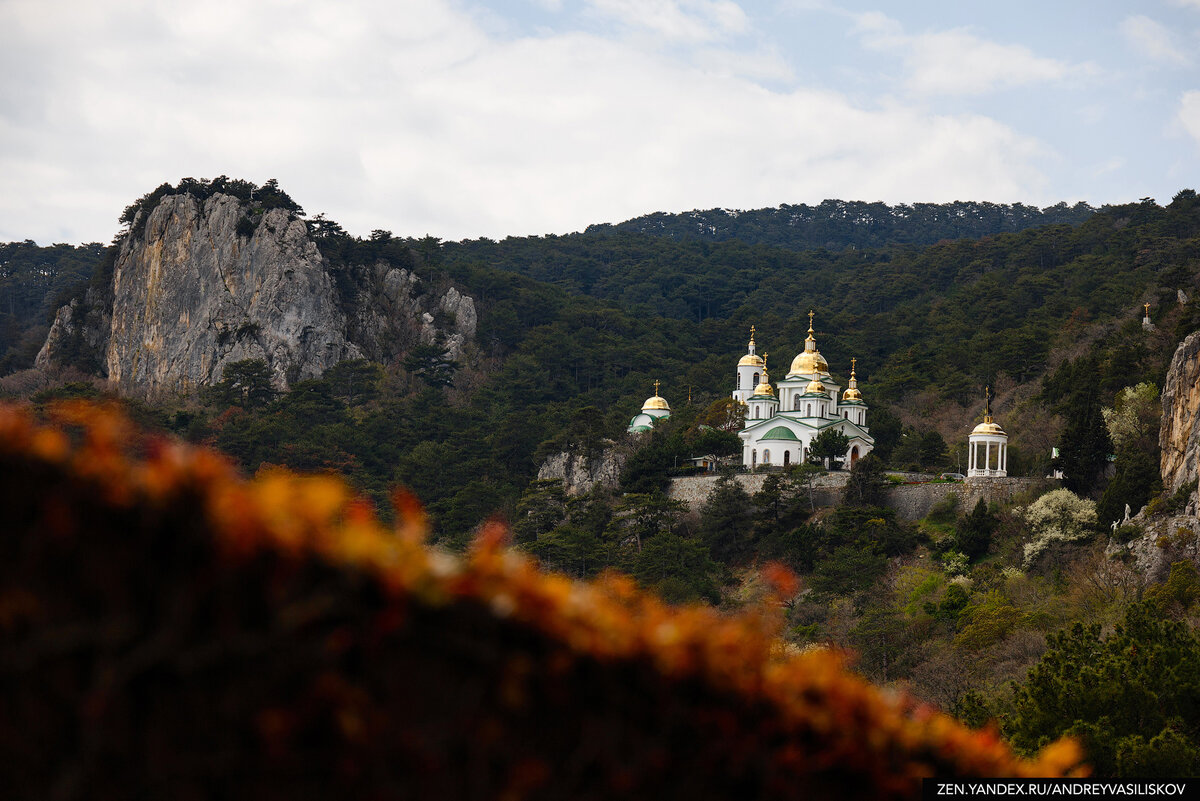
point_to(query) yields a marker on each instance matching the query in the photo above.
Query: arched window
(787, 458)
(845, 415)
(739, 386)
(766, 455)
(755, 381)
(853, 455)
(809, 412)
(796, 404)
(753, 458)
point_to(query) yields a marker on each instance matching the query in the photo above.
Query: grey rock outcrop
(193, 291)
(579, 471)
(1179, 435)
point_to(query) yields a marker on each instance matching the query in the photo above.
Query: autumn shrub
(168, 629)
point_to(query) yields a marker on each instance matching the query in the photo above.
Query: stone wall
(911, 501)
(694, 490)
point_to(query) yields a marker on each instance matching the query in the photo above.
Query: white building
(779, 430)
(988, 451)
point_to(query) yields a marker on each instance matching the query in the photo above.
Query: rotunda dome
(988, 427)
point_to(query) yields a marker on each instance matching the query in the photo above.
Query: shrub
(172, 630)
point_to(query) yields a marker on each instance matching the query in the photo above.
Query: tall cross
(656, 386)
(752, 332)
(1147, 305)
(987, 402)
(810, 318)
(853, 362)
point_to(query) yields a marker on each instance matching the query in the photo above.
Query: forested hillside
(947, 318)
(841, 225)
(34, 281)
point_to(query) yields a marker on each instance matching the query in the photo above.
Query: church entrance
(853, 455)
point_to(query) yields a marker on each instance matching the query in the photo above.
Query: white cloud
(1189, 114)
(957, 62)
(422, 122)
(1154, 40)
(1186, 3)
(677, 20)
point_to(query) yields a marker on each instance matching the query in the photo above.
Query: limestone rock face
(80, 333)
(1179, 436)
(199, 290)
(579, 472)
(193, 296)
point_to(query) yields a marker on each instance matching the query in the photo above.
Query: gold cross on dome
(656, 386)
(811, 313)
(1147, 309)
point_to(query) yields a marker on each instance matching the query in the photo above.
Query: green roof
(780, 432)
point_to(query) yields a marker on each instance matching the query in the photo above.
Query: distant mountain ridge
(841, 224)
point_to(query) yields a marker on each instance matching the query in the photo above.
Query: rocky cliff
(1179, 436)
(580, 471)
(196, 288)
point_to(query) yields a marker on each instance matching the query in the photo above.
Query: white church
(780, 429)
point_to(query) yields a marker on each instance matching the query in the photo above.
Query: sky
(462, 119)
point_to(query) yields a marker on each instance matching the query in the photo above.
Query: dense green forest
(573, 331)
(34, 282)
(840, 224)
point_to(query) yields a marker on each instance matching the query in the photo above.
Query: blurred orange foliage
(169, 628)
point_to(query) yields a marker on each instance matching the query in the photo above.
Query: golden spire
(655, 401)
(987, 404)
(750, 359)
(1147, 305)
(810, 361)
(852, 392)
(764, 384)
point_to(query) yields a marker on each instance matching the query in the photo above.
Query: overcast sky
(462, 119)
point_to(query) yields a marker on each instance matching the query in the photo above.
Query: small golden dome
(764, 386)
(852, 392)
(751, 359)
(655, 402)
(988, 427)
(815, 387)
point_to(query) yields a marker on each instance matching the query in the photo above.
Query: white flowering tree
(1058, 516)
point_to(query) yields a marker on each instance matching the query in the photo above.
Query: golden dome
(852, 393)
(815, 387)
(656, 401)
(764, 386)
(751, 359)
(810, 361)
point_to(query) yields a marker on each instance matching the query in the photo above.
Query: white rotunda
(988, 447)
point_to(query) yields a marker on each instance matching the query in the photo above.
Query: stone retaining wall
(911, 501)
